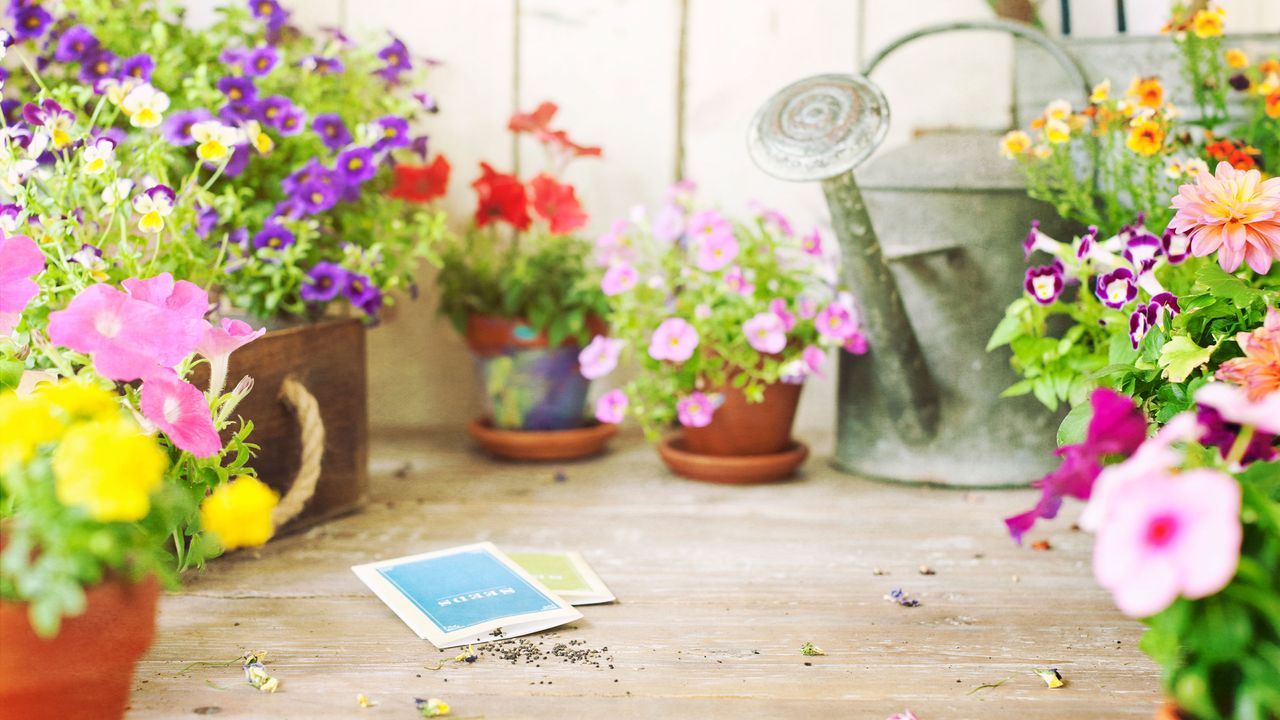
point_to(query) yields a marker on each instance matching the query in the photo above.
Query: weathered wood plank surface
(718, 588)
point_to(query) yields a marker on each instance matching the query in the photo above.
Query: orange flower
(1268, 66)
(1237, 59)
(1259, 370)
(1208, 23)
(1146, 138)
(1273, 105)
(1147, 91)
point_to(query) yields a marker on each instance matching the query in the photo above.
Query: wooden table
(718, 588)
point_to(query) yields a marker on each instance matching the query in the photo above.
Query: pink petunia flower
(778, 307)
(856, 344)
(716, 251)
(614, 247)
(619, 279)
(182, 297)
(1156, 455)
(600, 357)
(695, 410)
(806, 308)
(1234, 213)
(611, 408)
(20, 260)
(181, 412)
(128, 338)
(737, 281)
(219, 342)
(1235, 406)
(674, 340)
(1169, 535)
(836, 322)
(766, 333)
(814, 357)
(812, 243)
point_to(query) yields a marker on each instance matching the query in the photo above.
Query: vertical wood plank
(419, 369)
(611, 66)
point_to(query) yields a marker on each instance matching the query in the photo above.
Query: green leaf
(1019, 388)
(1008, 329)
(1180, 357)
(10, 374)
(1224, 285)
(1075, 425)
(1043, 389)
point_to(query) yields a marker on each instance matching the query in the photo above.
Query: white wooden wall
(611, 65)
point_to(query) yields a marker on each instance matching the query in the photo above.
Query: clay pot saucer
(541, 445)
(731, 469)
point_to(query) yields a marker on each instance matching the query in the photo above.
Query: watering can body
(949, 214)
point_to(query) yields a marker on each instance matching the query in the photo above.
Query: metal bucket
(929, 238)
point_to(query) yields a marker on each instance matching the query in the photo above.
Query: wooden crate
(328, 359)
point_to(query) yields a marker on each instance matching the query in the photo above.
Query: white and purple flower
(1117, 288)
(1044, 283)
(154, 205)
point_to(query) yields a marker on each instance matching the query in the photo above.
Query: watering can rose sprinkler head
(822, 128)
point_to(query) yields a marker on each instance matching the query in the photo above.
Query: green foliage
(544, 278)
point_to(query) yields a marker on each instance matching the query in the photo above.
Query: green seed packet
(566, 574)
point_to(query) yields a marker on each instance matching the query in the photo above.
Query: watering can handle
(1017, 29)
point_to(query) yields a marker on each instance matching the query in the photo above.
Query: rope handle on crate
(311, 431)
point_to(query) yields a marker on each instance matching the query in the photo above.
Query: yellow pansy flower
(1057, 110)
(109, 468)
(1041, 151)
(79, 399)
(1208, 23)
(238, 513)
(25, 424)
(1015, 143)
(1146, 138)
(1100, 92)
(1057, 132)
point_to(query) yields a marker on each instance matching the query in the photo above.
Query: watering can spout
(822, 128)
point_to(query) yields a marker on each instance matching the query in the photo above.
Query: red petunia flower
(534, 122)
(421, 183)
(558, 204)
(501, 197)
(561, 138)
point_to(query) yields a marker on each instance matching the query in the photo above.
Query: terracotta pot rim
(732, 469)
(542, 445)
(485, 344)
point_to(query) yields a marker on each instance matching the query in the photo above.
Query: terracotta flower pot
(746, 443)
(527, 384)
(84, 672)
(1169, 711)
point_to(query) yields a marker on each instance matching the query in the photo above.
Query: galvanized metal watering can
(929, 235)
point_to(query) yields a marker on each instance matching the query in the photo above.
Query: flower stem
(1241, 445)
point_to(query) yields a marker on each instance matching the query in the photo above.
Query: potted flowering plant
(725, 320)
(518, 285)
(89, 504)
(250, 158)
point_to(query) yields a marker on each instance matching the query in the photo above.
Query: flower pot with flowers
(249, 157)
(89, 502)
(725, 320)
(519, 286)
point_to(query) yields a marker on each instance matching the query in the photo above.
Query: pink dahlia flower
(1234, 213)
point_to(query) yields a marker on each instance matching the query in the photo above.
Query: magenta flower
(806, 308)
(127, 337)
(716, 251)
(856, 344)
(766, 333)
(814, 357)
(20, 261)
(695, 410)
(181, 412)
(674, 340)
(611, 408)
(836, 322)
(1167, 536)
(778, 307)
(619, 279)
(1117, 288)
(600, 357)
(1044, 283)
(812, 242)
(738, 282)
(1118, 428)
(1233, 403)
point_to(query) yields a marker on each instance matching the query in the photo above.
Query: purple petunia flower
(322, 64)
(362, 293)
(206, 220)
(138, 67)
(1177, 247)
(1117, 288)
(238, 89)
(236, 112)
(332, 130)
(1141, 251)
(30, 21)
(238, 162)
(293, 121)
(265, 9)
(420, 146)
(96, 66)
(393, 132)
(396, 57)
(1221, 434)
(316, 196)
(324, 281)
(176, 129)
(1044, 283)
(427, 101)
(355, 165)
(273, 236)
(74, 44)
(313, 170)
(261, 61)
(271, 110)
(234, 57)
